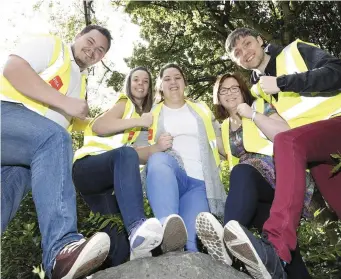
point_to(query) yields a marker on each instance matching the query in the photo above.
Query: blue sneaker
(258, 254)
(144, 237)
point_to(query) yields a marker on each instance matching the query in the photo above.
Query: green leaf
(337, 168)
(104, 224)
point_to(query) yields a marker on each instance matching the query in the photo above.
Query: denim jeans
(116, 171)
(36, 154)
(171, 191)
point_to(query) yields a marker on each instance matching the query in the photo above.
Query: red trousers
(293, 151)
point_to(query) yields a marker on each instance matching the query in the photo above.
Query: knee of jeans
(129, 152)
(284, 137)
(289, 140)
(240, 173)
(60, 137)
(159, 160)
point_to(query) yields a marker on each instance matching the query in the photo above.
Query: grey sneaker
(78, 259)
(145, 237)
(258, 254)
(174, 234)
(211, 232)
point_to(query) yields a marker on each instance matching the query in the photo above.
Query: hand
(269, 85)
(75, 107)
(244, 110)
(146, 119)
(164, 142)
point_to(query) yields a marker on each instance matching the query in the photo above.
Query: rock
(175, 265)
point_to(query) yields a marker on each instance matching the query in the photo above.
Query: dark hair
(236, 34)
(159, 92)
(105, 32)
(148, 100)
(219, 111)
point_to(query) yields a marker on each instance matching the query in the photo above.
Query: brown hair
(219, 111)
(236, 34)
(148, 100)
(159, 92)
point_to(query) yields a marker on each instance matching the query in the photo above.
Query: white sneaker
(211, 233)
(144, 238)
(174, 234)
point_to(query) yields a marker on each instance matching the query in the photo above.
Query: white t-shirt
(182, 125)
(38, 53)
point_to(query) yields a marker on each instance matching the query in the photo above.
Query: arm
(24, 79)
(323, 75)
(221, 147)
(146, 151)
(271, 125)
(164, 142)
(22, 68)
(111, 122)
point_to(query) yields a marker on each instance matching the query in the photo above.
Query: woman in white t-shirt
(185, 179)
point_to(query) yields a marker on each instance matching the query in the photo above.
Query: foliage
(193, 33)
(322, 257)
(337, 159)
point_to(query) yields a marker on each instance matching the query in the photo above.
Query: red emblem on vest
(56, 82)
(131, 135)
(150, 134)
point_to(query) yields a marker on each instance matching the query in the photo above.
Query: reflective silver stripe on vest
(307, 102)
(290, 64)
(52, 70)
(255, 89)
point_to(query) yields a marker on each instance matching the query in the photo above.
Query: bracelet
(253, 116)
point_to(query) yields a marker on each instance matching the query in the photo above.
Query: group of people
(277, 137)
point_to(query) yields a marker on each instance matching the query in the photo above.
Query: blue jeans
(37, 155)
(97, 177)
(171, 191)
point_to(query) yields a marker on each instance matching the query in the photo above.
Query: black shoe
(258, 254)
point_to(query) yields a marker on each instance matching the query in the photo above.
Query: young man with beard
(42, 96)
(303, 83)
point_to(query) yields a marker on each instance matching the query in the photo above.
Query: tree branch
(105, 66)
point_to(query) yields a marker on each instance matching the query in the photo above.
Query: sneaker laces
(135, 226)
(72, 246)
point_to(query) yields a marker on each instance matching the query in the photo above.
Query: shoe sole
(91, 257)
(151, 230)
(210, 232)
(241, 247)
(174, 235)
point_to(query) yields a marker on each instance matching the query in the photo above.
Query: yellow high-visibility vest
(254, 140)
(57, 75)
(94, 144)
(205, 114)
(295, 108)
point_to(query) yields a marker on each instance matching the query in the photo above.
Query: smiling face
(248, 52)
(139, 85)
(89, 48)
(229, 94)
(173, 85)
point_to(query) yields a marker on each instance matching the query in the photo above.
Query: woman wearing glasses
(248, 129)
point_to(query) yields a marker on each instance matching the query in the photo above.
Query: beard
(81, 63)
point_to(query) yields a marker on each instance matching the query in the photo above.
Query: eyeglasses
(232, 89)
